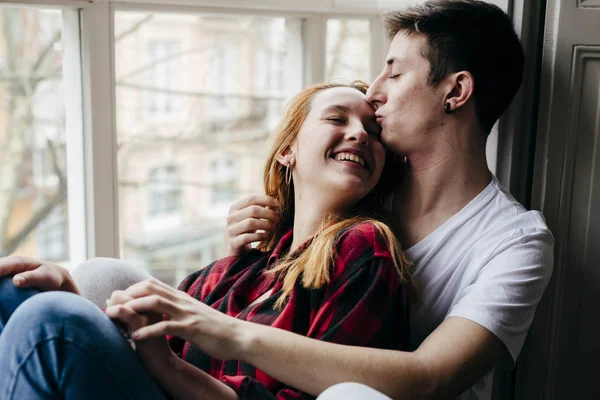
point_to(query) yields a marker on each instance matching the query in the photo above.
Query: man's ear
(462, 87)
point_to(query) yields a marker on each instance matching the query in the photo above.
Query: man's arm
(182, 380)
(455, 356)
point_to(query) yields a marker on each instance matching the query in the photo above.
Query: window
(33, 174)
(348, 49)
(234, 74)
(162, 59)
(222, 78)
(52, 236)
(163, 191)
(224, 174)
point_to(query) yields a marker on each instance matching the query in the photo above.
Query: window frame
(106, 233)
(91, 131)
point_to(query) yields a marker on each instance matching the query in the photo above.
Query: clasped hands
(154, 310)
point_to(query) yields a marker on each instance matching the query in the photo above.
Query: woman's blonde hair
(314, 263)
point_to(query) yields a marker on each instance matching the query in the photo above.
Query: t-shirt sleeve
(504, 295)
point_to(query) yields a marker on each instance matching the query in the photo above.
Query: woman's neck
(308, 217)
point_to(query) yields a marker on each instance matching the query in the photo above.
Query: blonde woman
(330, 269)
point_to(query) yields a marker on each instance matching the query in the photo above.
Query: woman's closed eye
(337, 120)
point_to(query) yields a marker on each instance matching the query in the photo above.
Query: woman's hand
(30, 273)
(245, 219)
(185, 317)
(154, 352)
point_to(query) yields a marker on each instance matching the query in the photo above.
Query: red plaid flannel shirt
(364, 304)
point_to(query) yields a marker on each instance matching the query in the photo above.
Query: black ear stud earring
(448, 108)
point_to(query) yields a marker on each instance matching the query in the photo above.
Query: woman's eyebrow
(337, 107)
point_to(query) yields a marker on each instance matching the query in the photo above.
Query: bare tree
(21, 82)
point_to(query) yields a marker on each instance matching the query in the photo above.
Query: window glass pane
(198, 96)
(348, 49)
(33, 187)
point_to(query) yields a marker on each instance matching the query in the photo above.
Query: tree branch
(57, 199)
(45, 52)
(134, 28)
(158, 61)
(338, 48)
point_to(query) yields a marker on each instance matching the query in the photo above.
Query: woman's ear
(462, 89)
(286, 157)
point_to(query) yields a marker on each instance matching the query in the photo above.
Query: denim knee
(12, 297)
(64, 307)
(63, 345)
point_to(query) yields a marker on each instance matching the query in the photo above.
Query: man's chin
(391, 143)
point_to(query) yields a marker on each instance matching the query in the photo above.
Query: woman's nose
(357, 132)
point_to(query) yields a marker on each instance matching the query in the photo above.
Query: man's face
(409, 109)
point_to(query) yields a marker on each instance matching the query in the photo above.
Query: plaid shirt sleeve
(364, 304)
(204, 279)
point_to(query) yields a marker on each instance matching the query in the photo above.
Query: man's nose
(375, 93)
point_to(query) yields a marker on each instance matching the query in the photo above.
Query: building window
(164, 191)
(52, 236)
(224, 172)
(348, 49)
(162, 54)
(223, 78)
(33, 173)
(233, 77)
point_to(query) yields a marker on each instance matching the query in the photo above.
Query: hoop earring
(448, 108)
(288, 173)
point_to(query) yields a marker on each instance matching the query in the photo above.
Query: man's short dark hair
(467, 35)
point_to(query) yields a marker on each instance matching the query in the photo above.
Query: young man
(481, 261)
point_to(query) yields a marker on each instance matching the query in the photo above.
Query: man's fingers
(15, 264)
(250, 225)
(126, 315)
(118, 297)
(159, 329)
(259, 200)
(248, 238)
(152, 287)
(256, 212)
(154, 304)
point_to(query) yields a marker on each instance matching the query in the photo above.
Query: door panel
(560, 357)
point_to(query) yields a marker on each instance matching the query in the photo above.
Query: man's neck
(435, 188)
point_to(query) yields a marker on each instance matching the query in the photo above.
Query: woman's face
(338, 155)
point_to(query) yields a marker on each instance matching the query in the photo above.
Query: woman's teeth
(350, 157)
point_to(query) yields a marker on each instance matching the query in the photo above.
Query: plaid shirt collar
(283, 246)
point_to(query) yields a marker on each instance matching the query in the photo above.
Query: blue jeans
(57, 345)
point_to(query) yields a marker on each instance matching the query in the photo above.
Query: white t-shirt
(489, 263)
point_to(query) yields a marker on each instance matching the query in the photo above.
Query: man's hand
(215, 333)
(249, 221)
(30, 273)
(154, 352)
